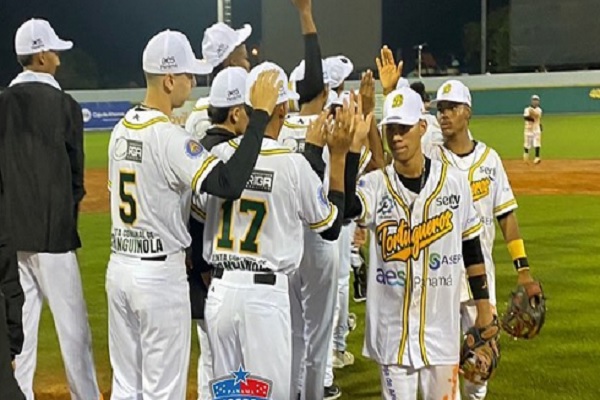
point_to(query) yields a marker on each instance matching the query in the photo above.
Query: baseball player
(154, 166)
(433, 135)
(222, 46)
(533, 129)
(492, 196)
(42, 153)
(249, 298)
(419, 210)
(229, 117)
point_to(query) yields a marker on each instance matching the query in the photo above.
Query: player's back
(145, 191)
(263, 230)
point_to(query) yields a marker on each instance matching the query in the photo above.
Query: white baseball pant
(205, 362)
(438, 382)
(56, 277)
(313, 289)
(149, 327)
(249, 326)
(532, 139)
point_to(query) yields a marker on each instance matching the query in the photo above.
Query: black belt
(259, 278)
(157, 258)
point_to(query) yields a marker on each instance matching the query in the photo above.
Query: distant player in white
(418, 210)
(248, 306)
(492, 196)
(222, 46)
(533, 129)
(433, 135)
(154, 166)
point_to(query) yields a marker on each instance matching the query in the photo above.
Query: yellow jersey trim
(209, 160)
(200, 108)
(137, 127)
(423, 313)
(363, 213)
(294, 126)
(408, 287)
(326, 221)
(267, 152)
(199, 211)
(472, 230)
(502, 207)
(478, 164)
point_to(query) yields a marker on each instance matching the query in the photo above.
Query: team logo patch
(193, 149)
(385, 206)
(480, 188)
(261, 181)
(322, 196)
(447, 88)
(241, 385)
(398, 101)
(401, 242)
(126, 149)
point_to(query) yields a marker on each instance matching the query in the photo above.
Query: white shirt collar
(32, 76)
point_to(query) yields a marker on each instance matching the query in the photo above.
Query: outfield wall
(503, 94)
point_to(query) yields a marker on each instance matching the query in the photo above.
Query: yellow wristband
(516, 248)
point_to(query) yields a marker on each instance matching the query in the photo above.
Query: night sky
(113, 33)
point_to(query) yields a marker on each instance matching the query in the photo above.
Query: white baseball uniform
(493, 197)
(313, 288)
(533, 129)
(433, 134)
(249, 320)
(153, 167)
(198, 121)
(413, 294)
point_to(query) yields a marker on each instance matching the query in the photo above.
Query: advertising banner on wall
(103, 115)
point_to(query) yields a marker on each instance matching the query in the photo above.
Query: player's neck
(412, 168)
(226, 127)
(459, 143)
(311, 108)
(155, 99)
(272, 130)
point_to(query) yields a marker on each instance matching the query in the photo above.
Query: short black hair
(25, 60)
(218, 115)
(419, 87)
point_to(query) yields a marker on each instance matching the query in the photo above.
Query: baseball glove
(480, 353)
(526, 312)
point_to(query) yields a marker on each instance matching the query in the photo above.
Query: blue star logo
(240, 375)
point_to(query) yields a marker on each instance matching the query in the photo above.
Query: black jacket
(41, 156)
(9, 389)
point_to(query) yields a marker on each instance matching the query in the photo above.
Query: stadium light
(224, 11)
(483, 36)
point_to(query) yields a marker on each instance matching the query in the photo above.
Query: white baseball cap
(170, 52)
(454, 91)
(344, 96)
(220, 40)
(228, 88)
(36, 35)
(285, 93)
(402, 82)
(535, 97)
(403, 107)
(298, 73)
(339, 69)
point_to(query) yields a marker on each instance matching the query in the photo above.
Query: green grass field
(562, 241)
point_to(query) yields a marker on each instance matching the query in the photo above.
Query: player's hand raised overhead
(341, 130)
(302, 5)
(317, 130)
(389, 73)
(367, 92)
(265, 91)
(361, 124)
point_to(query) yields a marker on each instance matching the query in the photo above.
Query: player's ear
(469, 113)
(168, 82)
(422, 126)
(234, 115)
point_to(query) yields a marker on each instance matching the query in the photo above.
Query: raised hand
(389, 73)
(341, 131)
(265, 91)
(361, 125)
(367, 92)
(317, 130)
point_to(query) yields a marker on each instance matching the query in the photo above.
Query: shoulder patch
(322, 196)
(193, 149)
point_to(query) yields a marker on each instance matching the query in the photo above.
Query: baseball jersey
(293, 136)
(263, 230)
(198, 121)
(153, 165)
(413, 316)
(492, 195)
(433, 134)
(535, 125)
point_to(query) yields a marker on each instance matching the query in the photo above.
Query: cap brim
(200, 67)
(243, 34)
(434, 102)
(61, 45)
(394, 119)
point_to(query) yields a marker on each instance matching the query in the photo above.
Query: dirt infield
(558, 177)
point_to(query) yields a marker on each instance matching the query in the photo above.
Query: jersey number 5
(128, 207)
(250, 242)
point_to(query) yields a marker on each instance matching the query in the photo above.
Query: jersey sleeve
(471, 225)
(526, 112)
(504, 199)
(366, 193)
(198, 121)
(315, 209)
(365, 158)
(188, 161)
(198, 206)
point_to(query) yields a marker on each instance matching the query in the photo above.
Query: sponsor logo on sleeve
(129, 150)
